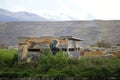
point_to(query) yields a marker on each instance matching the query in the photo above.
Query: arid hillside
(89, 31)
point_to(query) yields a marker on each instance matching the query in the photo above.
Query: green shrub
(103, 44)
(58, 66)
(8, 57)
(10, 74)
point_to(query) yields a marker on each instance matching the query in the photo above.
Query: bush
(60, 66)
(14, 74)
(8, 57)
(9, 74)
(101, 43)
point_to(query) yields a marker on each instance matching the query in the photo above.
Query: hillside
(89, 31)
(7, 16)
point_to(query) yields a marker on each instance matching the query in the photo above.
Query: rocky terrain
(89, 31)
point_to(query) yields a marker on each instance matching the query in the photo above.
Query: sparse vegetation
(86, 30)
(3, 46)
(103, 43)
(58, 66)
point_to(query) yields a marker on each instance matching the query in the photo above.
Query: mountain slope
(58, 17)
(8, 16)
(89, 31)
(19, 16)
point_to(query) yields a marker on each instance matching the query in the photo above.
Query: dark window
(71, 49)
(34, 50)
(64, 49)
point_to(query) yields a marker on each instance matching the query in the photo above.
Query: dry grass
(100, 53)
(116, 54)
(95, 53)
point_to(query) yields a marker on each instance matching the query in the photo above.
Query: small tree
(103, 44)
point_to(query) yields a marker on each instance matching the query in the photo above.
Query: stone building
(30, 47)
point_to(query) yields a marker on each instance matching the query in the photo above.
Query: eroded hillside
(89, 31)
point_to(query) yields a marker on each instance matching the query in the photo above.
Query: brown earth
(95, 53)
(100, 53)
